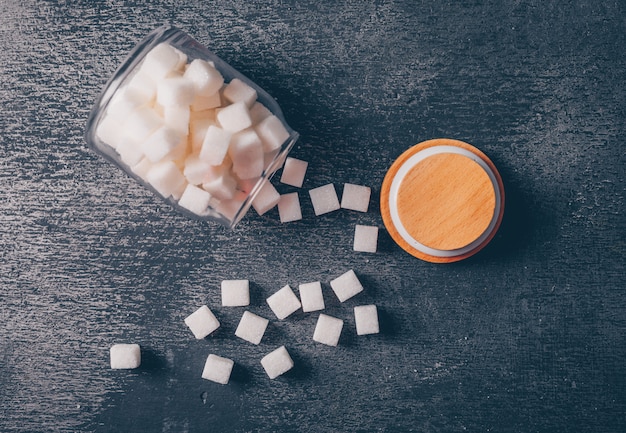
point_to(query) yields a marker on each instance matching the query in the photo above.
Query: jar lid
(442, 200)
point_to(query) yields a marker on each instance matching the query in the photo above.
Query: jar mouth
(193, 50)
(399, 225)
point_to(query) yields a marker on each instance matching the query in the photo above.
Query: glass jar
(203, 141)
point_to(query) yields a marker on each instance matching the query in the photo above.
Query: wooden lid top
(442, 200)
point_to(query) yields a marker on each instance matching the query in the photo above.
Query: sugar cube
(195, 169)
(327, 330)
(324, 199)
(167, 179)
(293, 172)
(206, 79)
(195, 200)
(277, 362)
(222, 186)
(235, 293)
(365, 238)
(177, 118)
(266, 198)
(272, 133)
(161, 142)
(237, 91)
(202, 322)
(251, 327)
(346, 286)
(162, 60)
(246, 152)
(141, 123)
(130, 152)
(355, 197)
(284, 302)
(175, 91)
(125, 356)
(202, 103)
(215, 145)
(311, 296)
(289, 208)
(217, 369)
(258, 112)
(366, 319)
(234, 117)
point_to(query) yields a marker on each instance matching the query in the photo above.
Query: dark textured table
(527, 336)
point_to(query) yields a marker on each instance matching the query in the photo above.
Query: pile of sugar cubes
(283, 303)
(190, 135)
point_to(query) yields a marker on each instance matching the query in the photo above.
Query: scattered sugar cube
(346, 286)
(234, 117)
(195, 200)
(259, 112)
(328, 330)
(238, 91)
(206, 79)
(217, 369)
(215, 145)
(251, 327)
(293, 172)
(365, 238)
(125, 356)
(161, 142)
(289, 208)
(266, 198)
(161, 60)
(366, 319)
(202, 322)
(272, 133)
(311, 296)
(277, 362)
(246, 152)
(235, 293)
(324, 199)
(167, 179)
(355, 197)
(175, 91)
(284, 302)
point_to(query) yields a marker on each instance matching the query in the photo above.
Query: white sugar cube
(266, 198)
(125, 356)
(202, 322)
(259, 112)
(110, 130)
(324, 199)
(246, 152)
(355, 197)
(177, 117)
(328, 330)
(366, 319)
(130, 152)
(162, 60)
(222, 187)
(238, 91)
(161, 142)
(206, 79)
(141, 168)
(284, 302)
(175, 91)
(126, 100)
(195, 170)
(346, 286)
(197, 131)
(365, 238)
(202, 103)
(277, 362)
(251, 327)
(289, 208)
(141, 123)
(234, 117)
(272, 133)
(142, 84)
(167, 179)
(293, 172)
(235, 293)
(215, 145)
(311, 296)
(217, 369)
(195, 200)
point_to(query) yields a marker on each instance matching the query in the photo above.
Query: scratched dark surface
(527, 336)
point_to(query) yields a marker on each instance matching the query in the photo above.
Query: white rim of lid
(406, 167)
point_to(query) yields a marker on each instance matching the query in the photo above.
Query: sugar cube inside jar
(189, 127)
